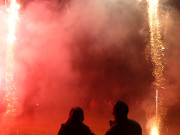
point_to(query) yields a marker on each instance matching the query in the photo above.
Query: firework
(154, 130)
(12, 13)
(157, 56)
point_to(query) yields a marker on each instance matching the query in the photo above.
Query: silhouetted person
(74, 125)
(122, 125)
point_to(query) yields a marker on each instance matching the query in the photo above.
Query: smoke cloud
(172, 71)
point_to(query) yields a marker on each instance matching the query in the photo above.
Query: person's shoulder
(85, 126)
(133, 122)
(87, 129)
(112, 129)
(135, 125)
(63, 125)
(63, 129)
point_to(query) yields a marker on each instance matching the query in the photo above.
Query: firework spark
(157, 56)
(9, 75)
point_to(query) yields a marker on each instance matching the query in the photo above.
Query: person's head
(76, 114)
(120, 110)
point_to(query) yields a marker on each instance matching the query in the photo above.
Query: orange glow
(154, 130)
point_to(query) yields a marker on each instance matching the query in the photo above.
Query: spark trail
(12, 13)
(157, 57)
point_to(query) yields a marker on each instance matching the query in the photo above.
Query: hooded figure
(74, 125)
(122, 125)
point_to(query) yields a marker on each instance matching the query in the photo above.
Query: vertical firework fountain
(12, 13)
(9, 75)
(157, 57)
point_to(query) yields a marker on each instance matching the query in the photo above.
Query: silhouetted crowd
(120, 126)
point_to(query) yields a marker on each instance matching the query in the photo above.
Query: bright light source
(154, 130)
